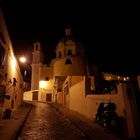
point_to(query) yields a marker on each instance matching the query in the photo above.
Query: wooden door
(35, 95)
(49, 97)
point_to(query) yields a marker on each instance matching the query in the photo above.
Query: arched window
(37, 47)
(68, 61)
(69, 52)
(60, 54)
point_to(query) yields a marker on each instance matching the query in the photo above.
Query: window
(47, 78)
(2, 55)
(37, 46)
(60, 54)
(106, 87)
(68, 61)
(59, 90)
(69, 52)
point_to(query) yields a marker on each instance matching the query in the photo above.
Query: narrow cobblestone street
(45, 123)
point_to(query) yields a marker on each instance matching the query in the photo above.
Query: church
(68, 80)
(70, 60)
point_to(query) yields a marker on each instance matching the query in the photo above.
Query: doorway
(48, 97)
(35, 95)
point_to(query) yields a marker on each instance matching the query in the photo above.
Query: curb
(16, 134)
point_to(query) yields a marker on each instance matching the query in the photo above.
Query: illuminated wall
(46, 81)
(86, 104)
(28, 96)
(35, 76)
(11, 76)
(37, 60)
(77, 66)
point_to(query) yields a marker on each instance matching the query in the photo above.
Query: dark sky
(108, 31)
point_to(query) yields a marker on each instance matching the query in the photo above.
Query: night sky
(108, 31)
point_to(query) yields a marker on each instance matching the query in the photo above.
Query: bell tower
(37, 60)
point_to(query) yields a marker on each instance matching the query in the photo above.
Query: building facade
(11, 81)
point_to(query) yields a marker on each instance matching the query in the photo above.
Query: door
(49, 97)
(35, 95)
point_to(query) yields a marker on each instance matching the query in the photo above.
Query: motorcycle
(106, 115)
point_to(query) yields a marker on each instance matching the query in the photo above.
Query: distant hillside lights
(123, 78)
(118, 78)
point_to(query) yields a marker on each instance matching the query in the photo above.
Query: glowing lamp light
(127, 78)
(124, 79)
(22, 59)
(43, 84)
(118, 77)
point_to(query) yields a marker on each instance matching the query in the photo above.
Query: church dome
(68, 46)
(70, 58)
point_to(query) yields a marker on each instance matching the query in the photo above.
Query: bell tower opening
(69, 52)
(68, 32)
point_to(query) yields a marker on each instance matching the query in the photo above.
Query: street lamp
(24, 62)
(24, 65)
(22, 59)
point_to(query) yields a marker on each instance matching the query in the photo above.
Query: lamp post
(23, 60)
(25, 67)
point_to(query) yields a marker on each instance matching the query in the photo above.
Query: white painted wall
(77, 95)
(27, 96)
(35, 76)
(87, 104)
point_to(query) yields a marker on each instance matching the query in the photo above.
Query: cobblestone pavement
(90, 129)
(45, 123)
